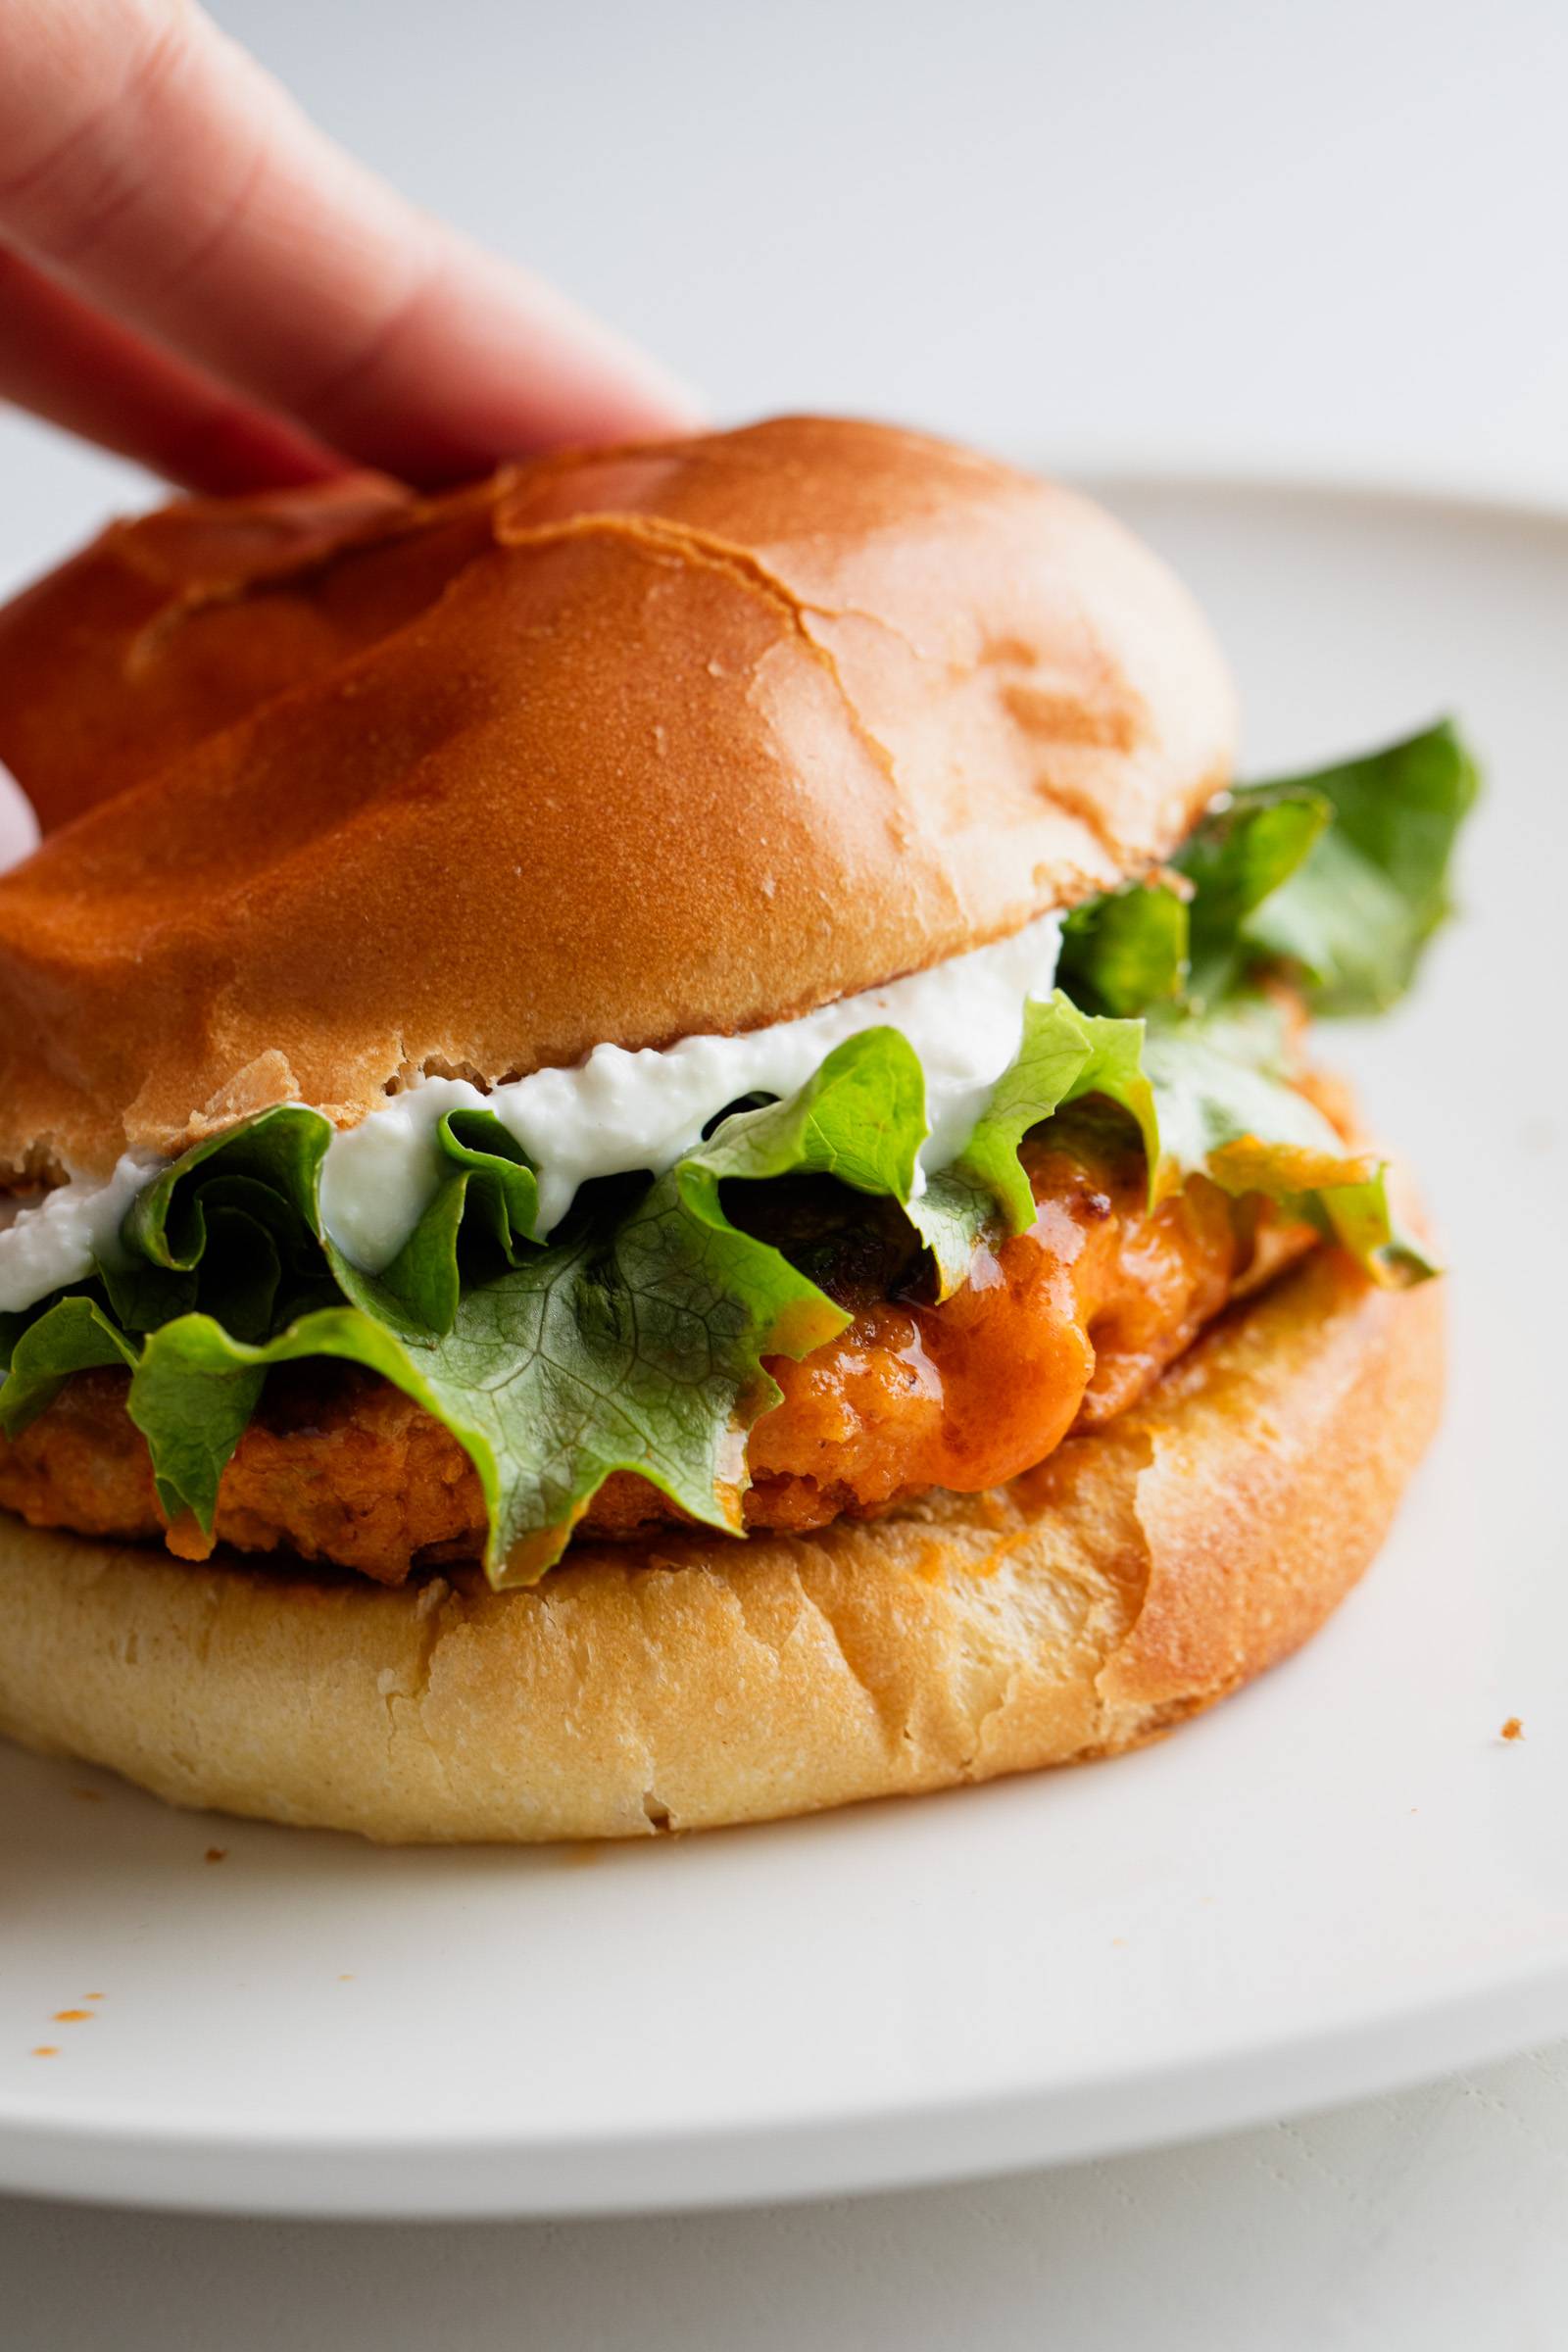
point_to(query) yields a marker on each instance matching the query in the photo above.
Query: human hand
(193, 276)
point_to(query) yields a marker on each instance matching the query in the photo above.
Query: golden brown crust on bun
(624, 746)
(171, 625)
(1140, 1575)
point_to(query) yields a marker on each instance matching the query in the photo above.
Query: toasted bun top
(622, 745)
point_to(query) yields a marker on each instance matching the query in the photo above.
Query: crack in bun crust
(1144, 1572)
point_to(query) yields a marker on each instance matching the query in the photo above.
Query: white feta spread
(613, 1111)
(49, 1239)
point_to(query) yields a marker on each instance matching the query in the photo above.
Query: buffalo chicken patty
(1057, 1329)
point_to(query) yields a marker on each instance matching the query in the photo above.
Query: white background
(1252, 235)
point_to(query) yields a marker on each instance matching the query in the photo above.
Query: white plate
(1341, 1879)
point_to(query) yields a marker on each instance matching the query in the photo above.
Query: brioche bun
(1140, 1575)
(626, 746)
(346, 785)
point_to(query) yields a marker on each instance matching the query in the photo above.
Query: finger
(150, 162)
(64, 363)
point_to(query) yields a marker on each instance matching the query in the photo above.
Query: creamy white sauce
(53, 1238)
(618, 1111)
(614, 1111)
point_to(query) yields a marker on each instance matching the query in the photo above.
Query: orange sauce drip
(1064, 1325)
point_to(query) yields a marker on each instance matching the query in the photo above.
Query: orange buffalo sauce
(1059, 1327)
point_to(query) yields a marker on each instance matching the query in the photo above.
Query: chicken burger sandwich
(661, 1162)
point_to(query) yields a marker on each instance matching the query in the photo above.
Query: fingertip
(488, 363)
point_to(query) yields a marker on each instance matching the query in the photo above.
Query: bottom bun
(1139, 1574)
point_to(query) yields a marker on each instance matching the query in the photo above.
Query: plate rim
(169, 2164)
